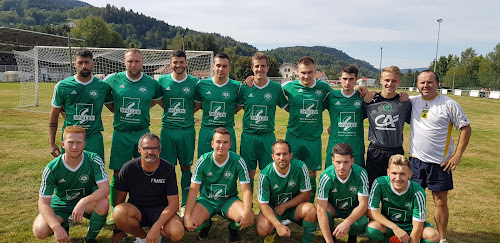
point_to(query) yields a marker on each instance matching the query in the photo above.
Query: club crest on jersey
(93, 94)
(84, 113)
(84, 178)
(397, 215)
(357, 103)
(353, 189)
(386, 122)
(259, 114)
(176, 106)
(268, 96)
(228, 174)
(319, 92)
(292, 183)
(309, 108)
(284, 197)
(387, 107)
(344, 203)
(217, 110)
(186, 90)
(408, 205)
(131, 106)
(347, 120)
(226, 95)
(143, 89)
(217, 191)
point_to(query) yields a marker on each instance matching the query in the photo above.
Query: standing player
(74, 184)
(177, 132)
(305, 124)
(217, 96)
(153, 199)
(284, 191)
(432, 153)
(81, 96)
(346, 116)
(215, 176)
(260, 102)
(133, 94)
(403, 209)
(343, 193)
(387, 116)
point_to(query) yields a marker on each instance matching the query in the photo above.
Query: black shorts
(431, 175)
(377, 160)
(149, 215)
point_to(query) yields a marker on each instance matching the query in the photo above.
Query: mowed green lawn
(474, 203)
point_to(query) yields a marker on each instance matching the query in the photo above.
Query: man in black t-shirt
(153, 196)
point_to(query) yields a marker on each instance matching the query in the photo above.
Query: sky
(406, 31)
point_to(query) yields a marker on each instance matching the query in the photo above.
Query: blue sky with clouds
(406, 30)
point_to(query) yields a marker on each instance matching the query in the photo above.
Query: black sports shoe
(352, 239)
(204, 232)
(233, 234)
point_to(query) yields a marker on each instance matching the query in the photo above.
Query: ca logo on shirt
(84, 113)
(386, 122)
(397, 215)
(259, 114)
(347, 120)
(217, 191)
(217, 110)
(284, 197)
(309, 107)
(130, 106)
(344, 203)
(176, 106)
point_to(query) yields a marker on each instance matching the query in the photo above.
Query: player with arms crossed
(403, 209)
(133, 94)
(343, 193)
(346, 116)
(153, 199)
(387, 115)
(215, 176)
(82, 97)
(305, 124)
(218, 97)
(432, 153)
(283, 193)
(260, 103)
(73, 185)
(177, 132)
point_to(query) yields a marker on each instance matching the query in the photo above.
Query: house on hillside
(288, 71)
(321, 76)
(367, 82)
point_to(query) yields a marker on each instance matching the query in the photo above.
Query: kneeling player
(153, 196)
(403, 206)
(284, 191)
(216, 174)
(343, 193)
(68, 188)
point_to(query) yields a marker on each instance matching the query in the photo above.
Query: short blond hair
(392, 69)
(74, 130)
(400, 160)
(133, 51)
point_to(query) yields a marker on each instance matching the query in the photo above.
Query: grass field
(474, 203)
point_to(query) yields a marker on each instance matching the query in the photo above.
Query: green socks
(251, 186)
(97, 221)
(309, 230)
(185, 183)
(112, 192)
(313, 189)
(374, 234)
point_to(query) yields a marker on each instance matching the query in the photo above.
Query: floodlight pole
(70, 56)
(437, 45)
(380, 67)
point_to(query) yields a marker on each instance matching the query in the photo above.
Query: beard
(85, 73)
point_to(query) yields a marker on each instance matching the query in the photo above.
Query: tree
(242, 67)
(97, 33)
(274, 68)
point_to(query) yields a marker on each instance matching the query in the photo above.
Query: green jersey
(82, 102)
(346, 118)
(276, 188)
(132, 100)
(260, 106)
(178, 101)
(343, 194)
(398, 207)
(66, 185)
(306, 108)
(218, 181)
(218, 102)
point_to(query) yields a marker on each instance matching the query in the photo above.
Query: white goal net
(43, 66)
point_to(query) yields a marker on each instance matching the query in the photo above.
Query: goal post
(43, 66)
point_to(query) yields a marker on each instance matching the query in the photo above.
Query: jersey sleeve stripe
(418, 220)
(101, 181)
(99, 161)
(259, 187)
(306, 176)
(54, 95)
(364, 179)
(245, 169)
(421, 205)
(370, 199)
(195, 171)
(321, 187)
(43, 185)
